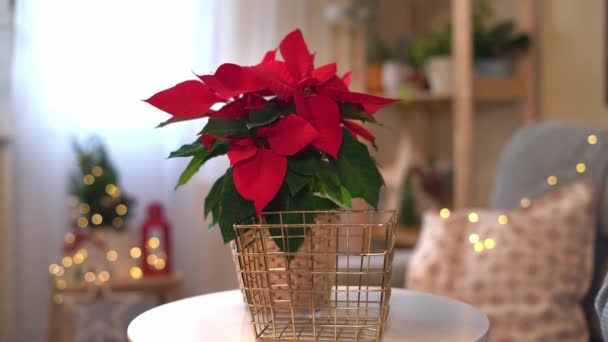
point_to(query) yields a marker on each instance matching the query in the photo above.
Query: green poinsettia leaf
(175, 119)
(295, 181)
(233, 208)
(347, 199)
(217, 149)
(187, 150)
(221, 127)
(306, 166)
(290, 240)
(214, 196)
(267, 115)
(331, 186)
(358, 171)
(351, 112)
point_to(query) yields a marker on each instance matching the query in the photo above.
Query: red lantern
(156, 242)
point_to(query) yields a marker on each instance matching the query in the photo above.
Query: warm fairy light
(58, 271)
(524, 202)
(67, 261)
(478, 247)
(58, 299)
(97, 171)
(489, 243)
(503, 219)
(78, 258)
(121, 209)
(135, 252)
(444, 213)
(96, 219)
(89, 277)
(61, 284)
(88, 179)
(473, 238)
(136, 272)
(83, 222)
(84, 208)
(69, 238)
(151, 259)
(103, 276)
(111, 189)
(159, 264)
(117, 222)
(581, 167)
(112, 255)
(551, 180)
(473, 217)
(153, 243)
(54, 269)
(592, 139)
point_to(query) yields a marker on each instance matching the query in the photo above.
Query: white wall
(5, 56)
(573, 71)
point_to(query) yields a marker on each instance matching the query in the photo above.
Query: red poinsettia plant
(288, 129)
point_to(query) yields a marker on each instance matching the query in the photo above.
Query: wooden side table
(163, 288)
(223, 316)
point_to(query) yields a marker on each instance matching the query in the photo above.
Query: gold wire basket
(329, 282)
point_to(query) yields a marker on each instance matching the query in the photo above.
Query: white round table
(222, 316)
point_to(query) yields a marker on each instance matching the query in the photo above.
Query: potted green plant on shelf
(496, 48)
(377, 54)
(495, 44)
(431, 52)
(291, 134)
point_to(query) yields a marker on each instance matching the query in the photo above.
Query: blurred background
(76, 139)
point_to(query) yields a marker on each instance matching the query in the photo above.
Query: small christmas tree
(97, 199)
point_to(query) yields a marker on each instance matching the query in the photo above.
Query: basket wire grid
(334, 286)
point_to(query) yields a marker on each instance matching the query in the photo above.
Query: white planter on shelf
(439, 74)
(393, 74)
(494, 67)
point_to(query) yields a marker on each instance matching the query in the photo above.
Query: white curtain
(81, 67)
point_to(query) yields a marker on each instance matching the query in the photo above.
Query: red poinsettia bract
(259, 159)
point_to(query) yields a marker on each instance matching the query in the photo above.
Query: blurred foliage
(378, 52)
(94, 184)
(489, 40)
(428, 45)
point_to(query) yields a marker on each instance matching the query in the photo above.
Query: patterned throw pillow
(527, 269)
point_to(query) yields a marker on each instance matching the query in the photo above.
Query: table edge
(484, 337)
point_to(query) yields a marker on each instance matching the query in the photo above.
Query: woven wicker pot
(291, 279)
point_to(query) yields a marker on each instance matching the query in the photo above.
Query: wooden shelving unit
(468, 92)
(485, 90)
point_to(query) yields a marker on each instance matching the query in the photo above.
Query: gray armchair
(552, 148)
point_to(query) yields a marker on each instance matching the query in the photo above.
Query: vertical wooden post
(462, 102)
(359, 53)
(526, 17)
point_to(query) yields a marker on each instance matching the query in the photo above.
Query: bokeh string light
(78, 258)
(480, 244)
